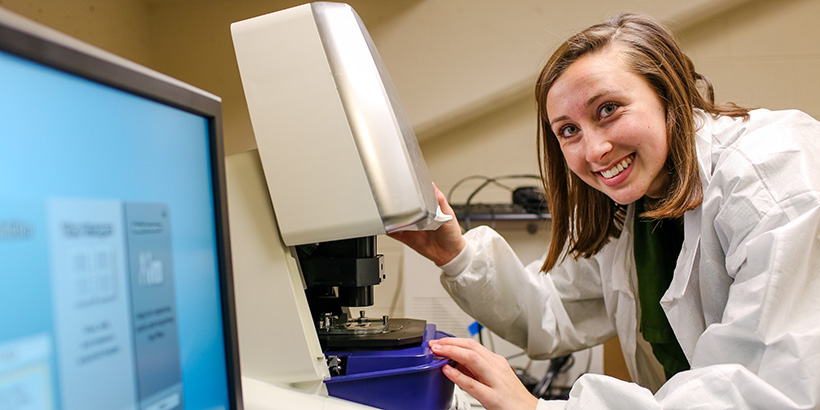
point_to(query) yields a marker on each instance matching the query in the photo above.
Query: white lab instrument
(339, 163)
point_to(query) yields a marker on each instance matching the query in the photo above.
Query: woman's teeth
(617, 168)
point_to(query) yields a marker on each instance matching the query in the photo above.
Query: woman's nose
(598, 145)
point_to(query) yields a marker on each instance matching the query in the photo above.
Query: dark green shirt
(657, 246)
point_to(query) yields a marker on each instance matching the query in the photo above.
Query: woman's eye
(567, 131)
(607, 110)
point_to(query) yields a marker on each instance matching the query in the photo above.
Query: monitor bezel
(34, 42)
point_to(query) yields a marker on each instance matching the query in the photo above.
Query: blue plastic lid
(393, 361)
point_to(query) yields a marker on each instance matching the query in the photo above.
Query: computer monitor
(115, 280)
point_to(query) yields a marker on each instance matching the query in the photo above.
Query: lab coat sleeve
(547, 315)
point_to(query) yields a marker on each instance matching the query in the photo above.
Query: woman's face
(611, 127)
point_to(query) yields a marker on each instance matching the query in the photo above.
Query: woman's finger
(469, 354)
(472, 345)
(466, 382)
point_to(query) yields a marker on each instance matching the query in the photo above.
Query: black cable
(556, 367)
(485, 178)
(461, 181)
(487, 181)
(494, 180)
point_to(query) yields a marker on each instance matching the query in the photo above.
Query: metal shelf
(497, 212)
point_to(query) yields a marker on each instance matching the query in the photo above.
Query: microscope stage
(399, 333)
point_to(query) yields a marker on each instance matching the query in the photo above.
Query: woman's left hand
(483, 374)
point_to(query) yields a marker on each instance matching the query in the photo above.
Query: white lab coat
(743, 301)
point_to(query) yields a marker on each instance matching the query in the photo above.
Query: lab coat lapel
(682, 301)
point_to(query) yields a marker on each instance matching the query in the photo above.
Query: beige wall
(764, 54)
(114, 25)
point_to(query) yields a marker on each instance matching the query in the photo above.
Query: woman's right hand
(441, 245)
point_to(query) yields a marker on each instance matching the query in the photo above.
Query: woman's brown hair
(583, 218)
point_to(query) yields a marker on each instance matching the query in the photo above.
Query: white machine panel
(339, 156)
(277, 340)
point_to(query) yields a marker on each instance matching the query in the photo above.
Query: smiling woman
(688, 229)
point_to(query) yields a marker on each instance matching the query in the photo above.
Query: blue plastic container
(403, 379)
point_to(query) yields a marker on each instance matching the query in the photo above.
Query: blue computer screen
(109, 284)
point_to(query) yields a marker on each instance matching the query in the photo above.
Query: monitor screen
(115, 287)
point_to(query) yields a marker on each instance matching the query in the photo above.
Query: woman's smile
(617, 169)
